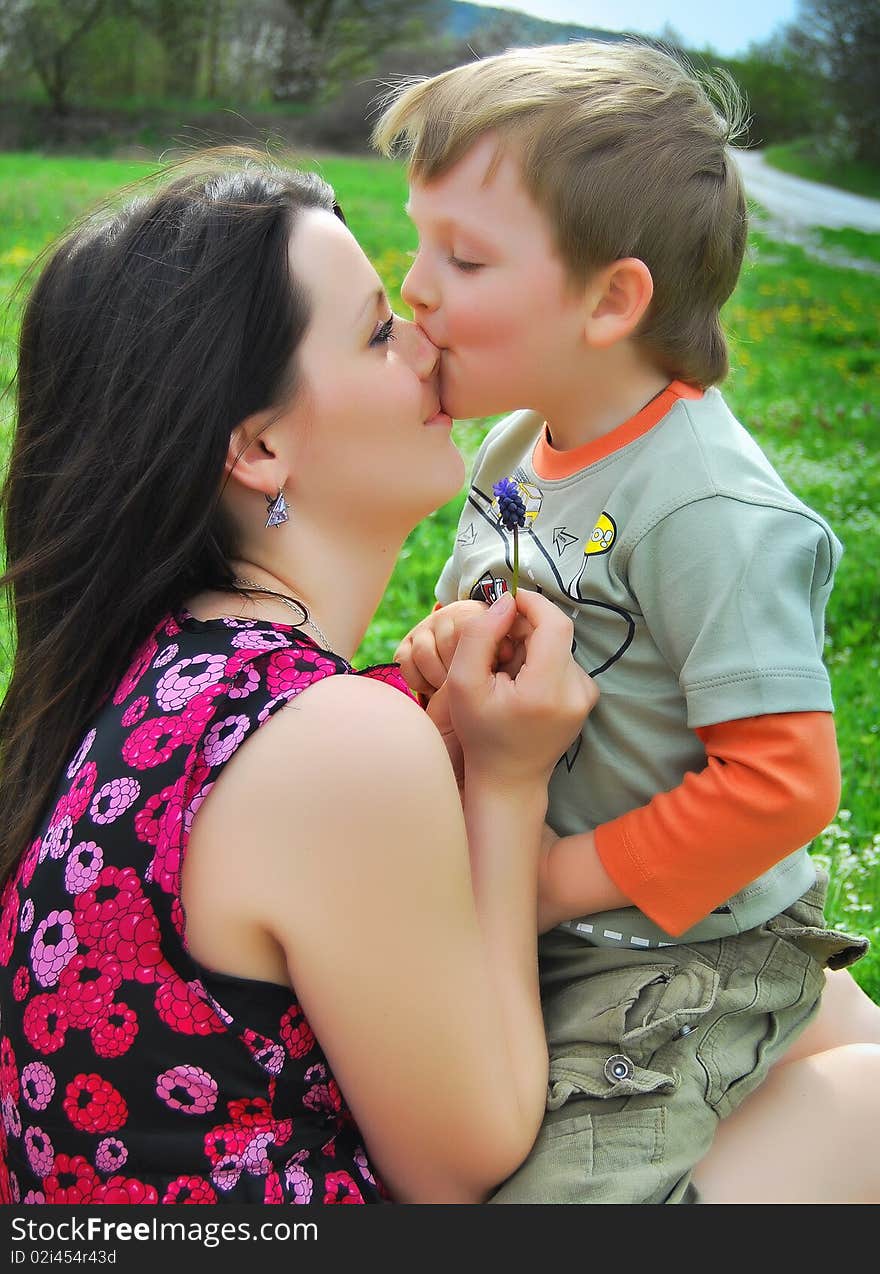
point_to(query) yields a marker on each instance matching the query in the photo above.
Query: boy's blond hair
(625, 151)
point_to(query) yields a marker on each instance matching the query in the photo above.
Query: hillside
(462, 21)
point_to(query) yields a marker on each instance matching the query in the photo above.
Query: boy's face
(489, 288)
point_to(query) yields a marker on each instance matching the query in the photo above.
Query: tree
(181, 27)
(48, 35)
(843, 39)
(326, 42)
(786, 93)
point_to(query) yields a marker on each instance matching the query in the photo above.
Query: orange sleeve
(771, 784)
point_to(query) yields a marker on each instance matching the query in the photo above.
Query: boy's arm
(733, 589)
(771, 784)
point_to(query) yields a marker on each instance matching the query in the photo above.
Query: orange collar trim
(550, 463)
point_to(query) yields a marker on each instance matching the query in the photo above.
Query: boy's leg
(758, 1157)
(650, 1049)
(846, 1016)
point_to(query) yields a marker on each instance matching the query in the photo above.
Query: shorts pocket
(590, 1158)
(803, 925)
(828, 947)
(764, 1007)
(633, 1008)
(603, 1075)
(605, 1031)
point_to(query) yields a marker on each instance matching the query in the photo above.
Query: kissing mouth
(438, 416)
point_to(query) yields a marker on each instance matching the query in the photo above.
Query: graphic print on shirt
(601, 539)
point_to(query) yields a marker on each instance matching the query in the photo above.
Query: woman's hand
(550, 913)
(516, 727)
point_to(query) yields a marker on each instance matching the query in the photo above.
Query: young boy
(581, 222)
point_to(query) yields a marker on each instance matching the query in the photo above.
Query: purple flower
(511, 508)
(512, 514)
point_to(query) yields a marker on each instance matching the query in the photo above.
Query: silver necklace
(305, 620)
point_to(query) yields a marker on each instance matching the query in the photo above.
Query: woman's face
(376, 445)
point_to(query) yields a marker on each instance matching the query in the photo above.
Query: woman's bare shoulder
(354, 711)
(345, 740)
(349, 768)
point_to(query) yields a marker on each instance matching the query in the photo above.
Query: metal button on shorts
(618, 1067)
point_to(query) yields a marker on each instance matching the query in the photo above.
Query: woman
(211, 387)
(249, 954)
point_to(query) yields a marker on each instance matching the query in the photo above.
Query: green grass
(855, 243)
(805, 158)
(805, 379)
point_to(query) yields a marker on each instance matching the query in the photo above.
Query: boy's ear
(617, 299)
(252, 459)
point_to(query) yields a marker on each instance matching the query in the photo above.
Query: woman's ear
(619, 295)
(252, 459)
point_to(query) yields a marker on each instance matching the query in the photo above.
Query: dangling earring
(277, 510)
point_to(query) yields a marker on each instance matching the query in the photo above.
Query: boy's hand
(438, 711)
(514, 727)
(426, 651)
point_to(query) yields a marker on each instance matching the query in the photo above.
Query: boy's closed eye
(465, 266)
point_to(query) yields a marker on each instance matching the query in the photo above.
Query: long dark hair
(149, 335)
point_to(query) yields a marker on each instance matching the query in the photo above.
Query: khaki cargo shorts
(650, 1048)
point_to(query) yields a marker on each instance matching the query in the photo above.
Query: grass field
(804, 379)
(803, 158)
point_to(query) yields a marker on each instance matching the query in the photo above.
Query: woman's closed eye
(383, 333)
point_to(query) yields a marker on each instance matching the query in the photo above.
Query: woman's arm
(413, 951)
(346, 810)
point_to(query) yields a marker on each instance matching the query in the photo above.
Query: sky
(727, 26)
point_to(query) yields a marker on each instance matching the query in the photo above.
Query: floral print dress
(128, 1072)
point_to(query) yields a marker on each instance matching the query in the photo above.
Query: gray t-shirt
(697, 583)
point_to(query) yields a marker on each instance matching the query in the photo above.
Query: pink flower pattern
(136, 711)
(77, 799)
(83, 866)
(26, 919)
(110, 1154)
(39, 1151)
(188, 1089)
(38, 1085)
(99, 991)
(53, 946)
(113, 799)
(56, 842)
(81, 754)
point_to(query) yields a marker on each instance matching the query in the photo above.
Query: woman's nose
(421, 353)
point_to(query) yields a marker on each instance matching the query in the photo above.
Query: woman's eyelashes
(383, 333)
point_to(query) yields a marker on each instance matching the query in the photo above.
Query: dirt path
(796, 207)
